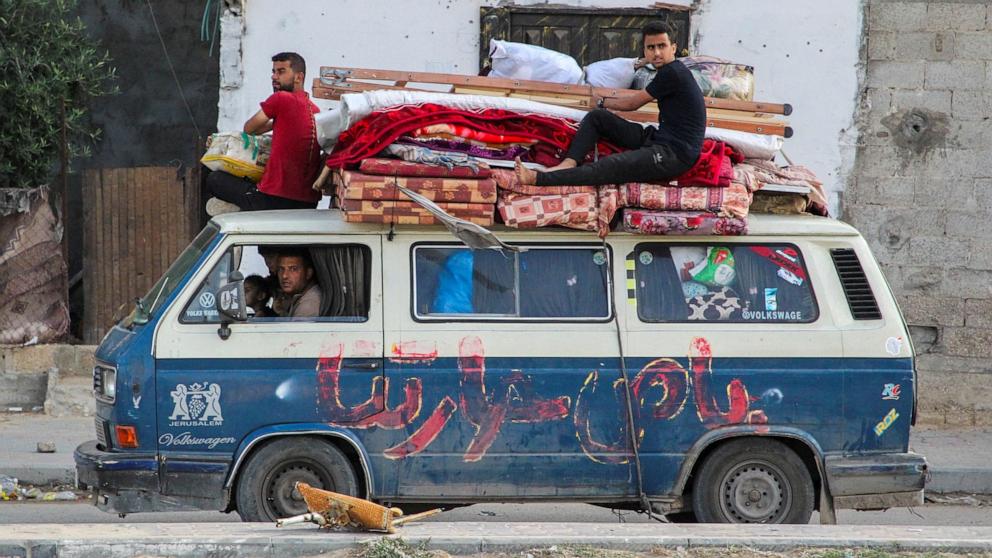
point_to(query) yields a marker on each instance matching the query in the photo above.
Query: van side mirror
(231, 304)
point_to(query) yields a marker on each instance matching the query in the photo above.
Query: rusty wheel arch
(798, 441)
(354, 454)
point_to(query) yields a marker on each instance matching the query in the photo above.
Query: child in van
(257, 295)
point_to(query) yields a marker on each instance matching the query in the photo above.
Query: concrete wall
(805, 52)
(147, 123)
(922, 190)
(29, 376)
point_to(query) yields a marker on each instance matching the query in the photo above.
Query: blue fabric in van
(454, 285)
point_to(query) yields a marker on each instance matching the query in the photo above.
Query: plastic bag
(614, 73)
(521, 61)
(717, 270)
(238, 153)
(721, 78)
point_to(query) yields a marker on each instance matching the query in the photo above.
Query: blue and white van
(718, 379)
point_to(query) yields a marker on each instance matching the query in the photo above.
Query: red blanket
(373, 133)
(714, 167)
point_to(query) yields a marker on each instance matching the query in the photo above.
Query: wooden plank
(89, 249)
(329, 75)
(131, 269)
(745, 123)
(115, 241)
(175, 213)
(147, 250)
(125, 237)
(328, 78)
(161, 218)
(193, 203)
(165, 218)
(103, 241)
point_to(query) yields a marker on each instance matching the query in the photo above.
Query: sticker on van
(196, 405)
(890, 418)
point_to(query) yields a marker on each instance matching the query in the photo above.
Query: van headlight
(110, 383)
(105, 382)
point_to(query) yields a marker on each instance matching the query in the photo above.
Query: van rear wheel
(753, 481)
(266, 488)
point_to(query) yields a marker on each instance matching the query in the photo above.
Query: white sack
(238, 153)
(520, 61)
(614, 73)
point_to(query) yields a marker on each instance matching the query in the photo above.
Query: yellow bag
(238, 153)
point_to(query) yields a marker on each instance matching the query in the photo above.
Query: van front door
(271, 371)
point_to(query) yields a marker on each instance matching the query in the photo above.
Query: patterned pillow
(720, 305)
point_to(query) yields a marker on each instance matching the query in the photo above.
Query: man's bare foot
(525, 175)
(564, 164)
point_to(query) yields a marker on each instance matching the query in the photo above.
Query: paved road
(58, 512)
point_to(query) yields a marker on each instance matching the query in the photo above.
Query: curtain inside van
(343, 273)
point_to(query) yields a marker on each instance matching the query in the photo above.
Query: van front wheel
(753, 481)
(266, 487)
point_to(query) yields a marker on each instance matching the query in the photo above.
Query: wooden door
(136, 221)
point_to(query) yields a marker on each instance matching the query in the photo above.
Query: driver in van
(295, 272)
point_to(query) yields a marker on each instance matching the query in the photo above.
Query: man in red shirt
(294, 162)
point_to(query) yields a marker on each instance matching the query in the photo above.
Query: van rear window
(540, 284)
(734, 283)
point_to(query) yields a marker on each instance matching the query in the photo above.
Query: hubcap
(281, 496)
(755, 492)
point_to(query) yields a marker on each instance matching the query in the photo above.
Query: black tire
(265, 490)
(753, 480)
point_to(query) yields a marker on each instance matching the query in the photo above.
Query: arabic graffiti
(661, 390)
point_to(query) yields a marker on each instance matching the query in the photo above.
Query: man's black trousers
(646, 162)
(244, 194)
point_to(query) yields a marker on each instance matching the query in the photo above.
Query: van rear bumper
(876, 482)
(130, 482)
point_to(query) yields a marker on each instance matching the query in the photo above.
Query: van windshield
(148, 305)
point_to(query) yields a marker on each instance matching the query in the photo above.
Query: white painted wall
(805, 52)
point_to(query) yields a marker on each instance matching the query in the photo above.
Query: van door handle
(366, 365)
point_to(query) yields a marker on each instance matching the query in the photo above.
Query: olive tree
(49, 70)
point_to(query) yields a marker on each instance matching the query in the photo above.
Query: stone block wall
(921, 191)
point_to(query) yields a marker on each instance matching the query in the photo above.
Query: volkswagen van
(755, 378)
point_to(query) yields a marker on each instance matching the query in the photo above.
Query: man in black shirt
(656, 154)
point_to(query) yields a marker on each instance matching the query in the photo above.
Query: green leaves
(49, 66)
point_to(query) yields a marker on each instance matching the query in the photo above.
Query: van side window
(291, 283)
(542, 284)
(734, 283)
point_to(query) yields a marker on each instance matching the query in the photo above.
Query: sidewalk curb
(960, 480)
(182, 541)
(40, 475)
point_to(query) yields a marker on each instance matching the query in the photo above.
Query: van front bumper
(130, 482)
(876, 482)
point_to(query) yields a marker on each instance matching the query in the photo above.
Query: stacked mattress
(458, 151)
(370, 194)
